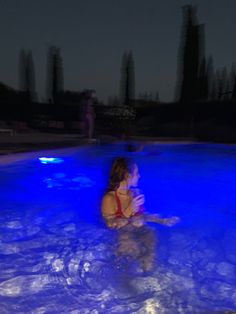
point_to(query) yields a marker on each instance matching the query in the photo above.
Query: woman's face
(134, 177)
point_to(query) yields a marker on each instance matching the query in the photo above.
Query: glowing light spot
(69, 281)
(86, 266)
(50, 160)
(151, 306)
(57, 265)
(73, 266)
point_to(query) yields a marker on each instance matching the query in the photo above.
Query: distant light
(50, 160)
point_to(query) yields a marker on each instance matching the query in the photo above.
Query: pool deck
(22, 146)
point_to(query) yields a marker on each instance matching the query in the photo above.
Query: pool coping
(13, 157)
(23, 156)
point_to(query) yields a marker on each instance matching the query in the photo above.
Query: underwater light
(50, 160)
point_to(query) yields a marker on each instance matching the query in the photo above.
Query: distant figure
(123, 209)
(138, 147)
(134, 147)
(88, 114)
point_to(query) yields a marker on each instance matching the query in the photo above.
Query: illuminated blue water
(56, 256)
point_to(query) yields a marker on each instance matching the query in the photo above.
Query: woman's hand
(121, 222)
(137, 221)
(136, 202)
(117, 223)
(170, 221)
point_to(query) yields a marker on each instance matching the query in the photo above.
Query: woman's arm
(171, 221)
(140, 220)
(139, 217)
(108, 213)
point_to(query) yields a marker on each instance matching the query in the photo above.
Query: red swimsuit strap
(119, 212)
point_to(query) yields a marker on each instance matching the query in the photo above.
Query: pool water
(57, 256)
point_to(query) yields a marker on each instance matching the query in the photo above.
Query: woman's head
(123, 170)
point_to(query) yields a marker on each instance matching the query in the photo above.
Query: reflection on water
(137, 243)
(73, 265)
(59, 180)
(56, 256)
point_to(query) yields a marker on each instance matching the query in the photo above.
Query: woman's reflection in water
(137, 243)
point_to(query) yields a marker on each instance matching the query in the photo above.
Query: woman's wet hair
(120, 169)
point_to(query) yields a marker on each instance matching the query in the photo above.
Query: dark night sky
(93, 34)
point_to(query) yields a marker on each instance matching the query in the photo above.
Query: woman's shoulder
(108, 203)
(109, 196)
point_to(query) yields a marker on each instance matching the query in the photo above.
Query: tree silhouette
(210, 77)
(224, 79)
(234, 90)
(203, 81)
(127, 80)
(222, 84)
(55, 77)
(232, 83)
(191, 52)
(219, 84)
(21, 70)
(27, 75)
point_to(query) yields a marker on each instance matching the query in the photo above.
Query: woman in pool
(122, 204)
(123, 209)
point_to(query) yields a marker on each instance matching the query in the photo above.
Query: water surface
(56, 256)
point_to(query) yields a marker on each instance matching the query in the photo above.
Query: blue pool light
(50, 160)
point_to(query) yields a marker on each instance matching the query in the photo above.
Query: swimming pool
(56, 256)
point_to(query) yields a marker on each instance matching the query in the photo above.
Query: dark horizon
(99, 37)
